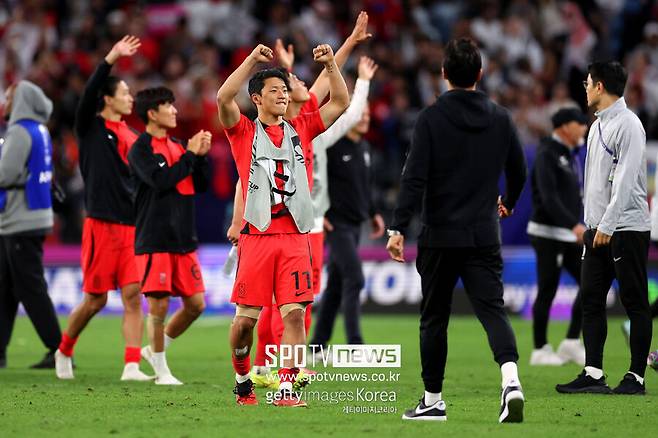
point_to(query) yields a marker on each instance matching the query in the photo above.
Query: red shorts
(108, 256)
(273, 266)
(317, 251)
(176, 274)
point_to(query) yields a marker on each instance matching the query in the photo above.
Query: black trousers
(551, 256)
(625, 259)
(22, 281)
(344, 283)
(480, 269)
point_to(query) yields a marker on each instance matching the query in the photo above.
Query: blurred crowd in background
(535, 58)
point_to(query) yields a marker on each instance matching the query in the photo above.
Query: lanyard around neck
(605, 146)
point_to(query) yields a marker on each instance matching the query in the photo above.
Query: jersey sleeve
(310, 123)
(241, 137)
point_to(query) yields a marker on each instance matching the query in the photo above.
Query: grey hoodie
(29, 102)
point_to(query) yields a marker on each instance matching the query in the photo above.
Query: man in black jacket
(168, 175)
(108, 259)
(556, 232)
(461, 145)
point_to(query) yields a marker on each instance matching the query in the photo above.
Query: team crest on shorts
(163, 277)
(242, 290)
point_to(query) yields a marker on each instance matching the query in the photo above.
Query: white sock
(510, 373)
(285, 386)
(637, 377)
(160, 364)
(432, 398)
(594, 373)
(167, 341)
(242, 379)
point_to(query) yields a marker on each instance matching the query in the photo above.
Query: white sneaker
(511, 403)
(147, 355)
(131, 372)
(572, 350)
(545, 356)
(63, 366)
(167, 379)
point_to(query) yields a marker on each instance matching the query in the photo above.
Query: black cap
(566, 115)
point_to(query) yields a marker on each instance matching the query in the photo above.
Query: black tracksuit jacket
(461, 146)
(165, 218)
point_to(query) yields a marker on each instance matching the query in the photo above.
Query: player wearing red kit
(167, 175)
(108, 260)
(275, 173)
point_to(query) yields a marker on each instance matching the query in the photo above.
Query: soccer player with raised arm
(275, 170)
(108, 260)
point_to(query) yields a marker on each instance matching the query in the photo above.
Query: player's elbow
(342, 101)
(223, 97)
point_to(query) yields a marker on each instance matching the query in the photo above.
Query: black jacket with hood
(461, 145)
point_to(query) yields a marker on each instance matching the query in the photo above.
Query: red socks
(67, 344)
(132, 354)
(264, 335)
(242, 365)
(307, 319)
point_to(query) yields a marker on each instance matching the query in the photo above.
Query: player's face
(9, 99)
(165, 116)
(364, 124)
(593, 90)
(274, 97)
(122, 101)
(298, 91)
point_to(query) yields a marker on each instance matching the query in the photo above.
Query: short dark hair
(257, 81)
(462, 62)
(109, 88)
(611, 74)
(151, 99)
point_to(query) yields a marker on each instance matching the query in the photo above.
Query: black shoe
(3, 362)
(48, 362)
(584, 384)
(630, 386)
(511, 404)
(435, 412)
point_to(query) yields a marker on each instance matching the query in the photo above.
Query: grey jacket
(29, 102)
(616, 193)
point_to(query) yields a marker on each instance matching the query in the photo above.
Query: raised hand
(262, 53)
(286, 57)
(367, 68)
(360, 31)
(126, 46)
(323, 54)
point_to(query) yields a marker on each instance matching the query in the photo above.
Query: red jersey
(308, 125)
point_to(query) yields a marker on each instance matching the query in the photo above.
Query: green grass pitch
(96, 403)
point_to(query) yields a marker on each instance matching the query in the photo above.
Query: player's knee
(195, 309)
(96, 303)
(244, 325)
(293, 317)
